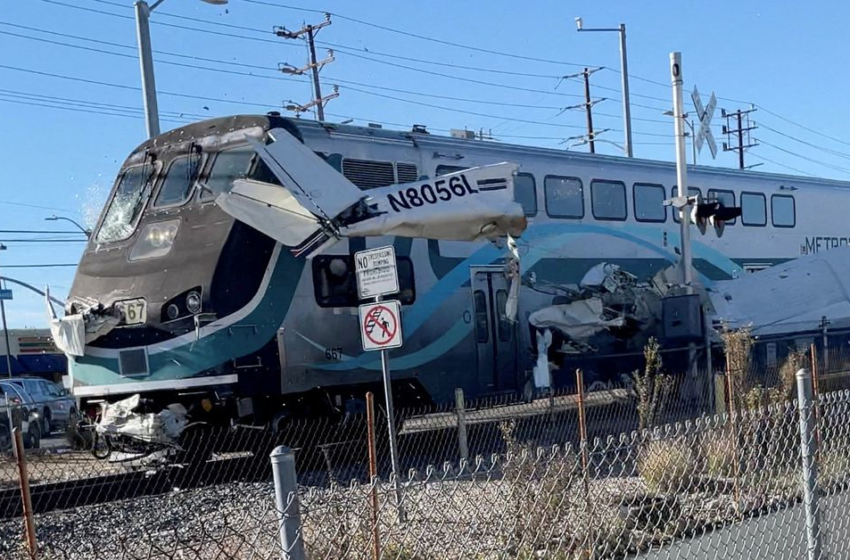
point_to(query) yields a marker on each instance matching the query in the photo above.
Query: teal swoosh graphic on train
(540, 240)
(175, 360)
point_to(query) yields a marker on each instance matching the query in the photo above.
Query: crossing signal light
(713, 213)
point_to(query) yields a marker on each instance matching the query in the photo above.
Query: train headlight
(193, 302)
(155, 240)
(172, 311)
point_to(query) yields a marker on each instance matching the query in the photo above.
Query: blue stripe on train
(540, 240)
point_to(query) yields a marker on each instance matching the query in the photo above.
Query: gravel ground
(228, 521)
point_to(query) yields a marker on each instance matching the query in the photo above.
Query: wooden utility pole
(741, 133)
(308, 33)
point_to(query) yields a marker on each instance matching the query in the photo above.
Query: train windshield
(126, 205)
(228, 166)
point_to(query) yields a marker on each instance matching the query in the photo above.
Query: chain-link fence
(647, 469)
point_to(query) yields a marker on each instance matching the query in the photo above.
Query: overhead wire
(806, 158)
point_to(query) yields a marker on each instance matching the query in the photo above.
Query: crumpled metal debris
(71, 333)
(608, 305)
(120, 418)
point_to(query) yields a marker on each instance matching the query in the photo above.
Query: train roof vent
(368, 174)
(407, 172)
(133, 362)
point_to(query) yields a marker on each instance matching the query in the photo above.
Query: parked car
(18, 409)
(56, 408)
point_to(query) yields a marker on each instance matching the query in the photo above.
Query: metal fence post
(808, 449)
(460, 411)
(286, 500)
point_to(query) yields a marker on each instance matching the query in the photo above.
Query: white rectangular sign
(376, 272)
(380, 325)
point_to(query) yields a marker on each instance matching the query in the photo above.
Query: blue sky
(60, 154)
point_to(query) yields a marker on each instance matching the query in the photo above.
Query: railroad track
(50, 496)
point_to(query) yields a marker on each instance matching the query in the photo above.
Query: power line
(47, 265)
(25, 205)
(761, 157)
(422, 37)
(184, 27)
(131, 88)
(804, 127)
(541, 123)
(40, 232)
(130, 47)
(43, 240)
(89, 111)
(169, 62)
(290, 79)
(91, 104)
(811, 160)
(795, 139)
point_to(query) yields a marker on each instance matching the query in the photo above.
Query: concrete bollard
(286, 500)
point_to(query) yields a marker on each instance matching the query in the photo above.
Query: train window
(368, 174)
(726, 198)
(126, 204)
(649, 202)
(179, 180)
(446, 169)
(482, 319)
(753, 209)
(608, 199)
(406, 172)
(335, 282)
(783, 211)
(674, 192)
(525, 192)
(564, 197)
(228, 166)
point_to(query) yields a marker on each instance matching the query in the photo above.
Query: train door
(495, 336)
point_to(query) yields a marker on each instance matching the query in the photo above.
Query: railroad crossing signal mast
(308, 33)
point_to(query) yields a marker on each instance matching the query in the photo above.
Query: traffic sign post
(380, 329)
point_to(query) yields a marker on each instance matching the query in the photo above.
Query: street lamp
(6, 330)
(692, 134)
(54, 218)
(143, 34)
(624, 71)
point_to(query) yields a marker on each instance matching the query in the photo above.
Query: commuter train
(222, 318)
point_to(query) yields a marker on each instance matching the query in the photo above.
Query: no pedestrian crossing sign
(380, 325)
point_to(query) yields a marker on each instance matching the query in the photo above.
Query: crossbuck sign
(704, 115)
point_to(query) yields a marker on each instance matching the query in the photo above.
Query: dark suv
(56, 408)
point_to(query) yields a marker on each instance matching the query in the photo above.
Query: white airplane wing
(318, 187)
(317, 205)
(468, 205)
(270, 209)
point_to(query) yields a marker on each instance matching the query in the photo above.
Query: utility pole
(741, 133)
(308, 33)
(6, 334)
(624, 75)
(587, 105)
(589, 110)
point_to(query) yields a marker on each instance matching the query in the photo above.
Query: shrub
(718, 449)
(652, 387)
(666, 465)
